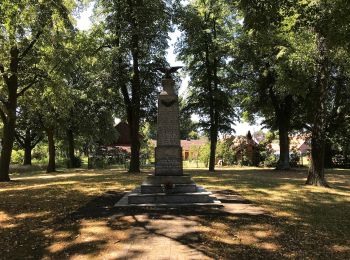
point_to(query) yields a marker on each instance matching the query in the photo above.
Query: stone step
(177, 188)
(158, 198)
(213, 204)
(177, 179)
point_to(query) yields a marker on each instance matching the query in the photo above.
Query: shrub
(40, 152)
(271, 161)
(17, 157)
(97, 162)
(76, 162)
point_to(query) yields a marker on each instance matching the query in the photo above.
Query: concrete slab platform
(124, 203)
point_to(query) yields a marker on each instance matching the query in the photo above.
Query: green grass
(301, 222)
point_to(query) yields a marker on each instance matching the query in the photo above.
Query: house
(299, 143)
(245, 148)
(190, 148)
(123, 142)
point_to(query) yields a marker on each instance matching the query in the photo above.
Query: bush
(294, 160)
(271, 161)
(204, 154)
(17, 157)
(97, 162)
(76, 163)
(40, 153)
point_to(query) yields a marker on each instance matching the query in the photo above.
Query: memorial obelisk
(168, 153)
(168, 186)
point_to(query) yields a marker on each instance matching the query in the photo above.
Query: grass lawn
(67, 214)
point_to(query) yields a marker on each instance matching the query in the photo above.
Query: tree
(85, 72)
(329, 22)
(136, 32)
(23, 25)
(188, 128)
(271, 85)
(28, 133)
(207, 29)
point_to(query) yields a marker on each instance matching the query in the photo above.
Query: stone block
(168, 160)
(196, 197)
(177, 188)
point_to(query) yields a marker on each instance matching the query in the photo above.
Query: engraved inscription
(168, 150)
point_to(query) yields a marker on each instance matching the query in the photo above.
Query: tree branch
(35, 80)
(37, 141)
(102, 47)
(4, 75)
(31, 45)
(19, 139)
(2, 100)
(3, 116)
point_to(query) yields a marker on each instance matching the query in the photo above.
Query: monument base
(168, 191)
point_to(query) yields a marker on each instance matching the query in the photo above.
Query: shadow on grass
(215, 233)
(56, 216)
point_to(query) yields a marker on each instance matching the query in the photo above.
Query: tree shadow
(46, 227)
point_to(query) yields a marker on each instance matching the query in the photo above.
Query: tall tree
(23, 25)
(137, 32)
(28, 132)
(329, 22)
(207, 29)
(270, 84)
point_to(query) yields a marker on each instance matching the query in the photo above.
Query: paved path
(162, 236)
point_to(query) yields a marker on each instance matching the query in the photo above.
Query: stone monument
(168, 186)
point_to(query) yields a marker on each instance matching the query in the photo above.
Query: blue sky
(84, 23)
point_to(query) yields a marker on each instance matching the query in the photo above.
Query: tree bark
(328, 163)
(51, 167)
(7, 145)
(27, 148)
(134, 122)
(283, 162)
(71, 155)
(316, 174)
(283, 111)
(213, 144)
(9, 117)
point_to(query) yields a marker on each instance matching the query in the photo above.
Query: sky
(84, 23)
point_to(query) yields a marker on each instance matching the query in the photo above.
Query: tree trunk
(51, 167)
(316, 174)
(27, 148)
(328, 163)
(135, 145)
(7, 145)
(27, 155)
(283, 162)
(9, 118)
(71, 155)
(213, 143)
(134, 122)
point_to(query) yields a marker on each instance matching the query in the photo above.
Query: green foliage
(225, 152)
(204, 154)
(144, 24)
(208, 30)
(17, 157)
(76, 163)
(98, 162)
(39, 153)
(188, 128)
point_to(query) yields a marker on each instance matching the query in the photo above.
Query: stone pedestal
(168, 152)
(168, 186)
